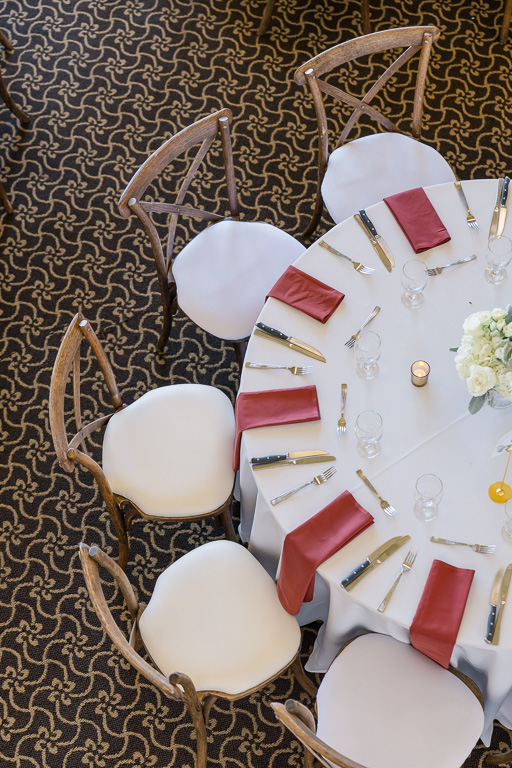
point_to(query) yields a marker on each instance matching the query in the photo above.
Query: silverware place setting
(373, 560)
(350, 342)
(297, 370)
(318, 480)
(483, 549)
(437, 270)
(356, 264)
(291, 459)
(470, 219)
(385, 505)
(378, 242)
(404, 568)
(342, 424)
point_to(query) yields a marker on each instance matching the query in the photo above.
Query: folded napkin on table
(273, 407)
(307, 294)
(418, 219)
(439, 614)
(308, 545)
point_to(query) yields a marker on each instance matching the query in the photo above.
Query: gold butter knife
(495, 215)
(503, 599)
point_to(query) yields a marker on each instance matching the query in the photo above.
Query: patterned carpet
(105, 82)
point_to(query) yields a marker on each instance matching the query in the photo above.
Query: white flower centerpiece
(484, 357)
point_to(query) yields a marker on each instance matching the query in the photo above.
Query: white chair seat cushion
(215, 615)
(366, 170)
(384, 704)
(171, 451)
(224, 274)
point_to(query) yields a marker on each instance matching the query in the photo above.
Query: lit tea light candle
(419, 373)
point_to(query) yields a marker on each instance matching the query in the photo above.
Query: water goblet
(414, 279)
(498, 255)
(506, 529)
(368, 431)
(367, 353)
(427, 494)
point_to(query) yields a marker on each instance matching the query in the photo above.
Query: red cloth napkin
(439, 614)
(418, 220)
(308, 545)
(275, 406)
(307, 294)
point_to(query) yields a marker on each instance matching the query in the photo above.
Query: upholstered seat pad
(224, 274)
(384, 704)
(215, 615)
(366, 170)
(170, 451)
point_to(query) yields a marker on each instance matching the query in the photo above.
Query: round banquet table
(425, 430)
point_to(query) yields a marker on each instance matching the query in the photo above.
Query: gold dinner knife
(377, 241)
(495, 213)
(503, 598)
(373, 560)
(290, 459)
(300, 346)
(495, 593)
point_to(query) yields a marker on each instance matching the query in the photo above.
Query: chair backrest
(412, 39)
(299, 720)
(202, 133)
(91, 557)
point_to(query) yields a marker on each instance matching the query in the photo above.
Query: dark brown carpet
(105, 82)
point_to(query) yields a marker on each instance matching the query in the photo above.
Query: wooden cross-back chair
(505, 24)
(221, 277)
(168, 456)
(9, 102)
(363, 171)
(269, 7)
(214, 627)
(383, 703)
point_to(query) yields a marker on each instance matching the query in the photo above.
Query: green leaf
(476, 403)
(508, 316)
(454, 349)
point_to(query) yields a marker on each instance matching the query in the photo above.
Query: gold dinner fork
(470, 219)
(356, 264)
(483, 549)
(342, 424)
(319, 479)
(404, 568)
(297, 370)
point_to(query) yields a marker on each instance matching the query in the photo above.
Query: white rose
(497, 313)
(507, 330)
(473, 324)
(481, 379)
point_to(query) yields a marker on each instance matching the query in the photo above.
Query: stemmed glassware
(427, 495)
(368, 431)
(414, 280)
(367, 353)
(498, 255)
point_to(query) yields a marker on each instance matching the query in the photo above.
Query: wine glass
(427, 495)
(368, 431)
(498, 255)
(367, 353)
(414, 280)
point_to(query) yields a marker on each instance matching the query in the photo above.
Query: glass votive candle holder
(368, 431)
(427, 494)
(420, 370)
(506, 529)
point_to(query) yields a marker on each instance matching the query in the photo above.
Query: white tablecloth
(426, 430)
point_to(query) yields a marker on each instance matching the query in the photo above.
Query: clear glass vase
(495, 400)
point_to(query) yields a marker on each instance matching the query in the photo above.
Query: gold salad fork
(350, 342)
(483, 549)
(297, 370)
(342, 424)
(437, 270)
(470, 219)
(404, 568)
(356, 264)
(319, 479)
(385, 505)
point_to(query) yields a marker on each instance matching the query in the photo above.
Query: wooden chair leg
(365, 12)
(5, 200)
(507, 16)
(170, 307)
(317, 214)
(5, 42)
(504, 758)
(6, 98)
(195, 711)
(227, 522)
(302, 678)
(267, 15)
